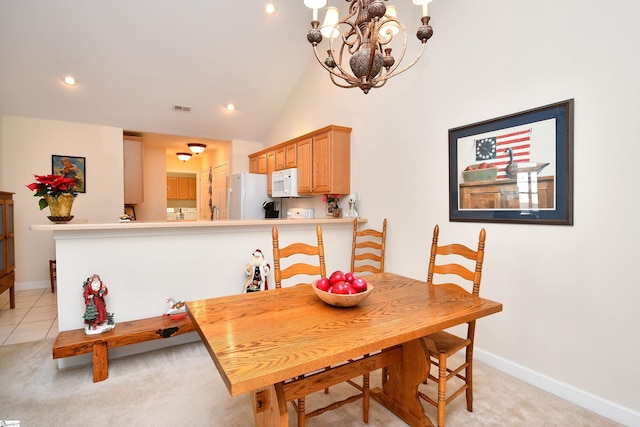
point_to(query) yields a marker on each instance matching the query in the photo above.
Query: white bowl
(342, 300)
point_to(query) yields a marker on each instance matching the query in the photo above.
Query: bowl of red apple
(342, 289)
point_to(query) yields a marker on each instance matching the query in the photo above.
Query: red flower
(53, 185)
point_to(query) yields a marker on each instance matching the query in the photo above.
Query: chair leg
(469, 379)
(52, 273)
(442, 388)
(301, 412)
(365, 398)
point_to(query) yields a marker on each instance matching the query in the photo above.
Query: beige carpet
(180, 386)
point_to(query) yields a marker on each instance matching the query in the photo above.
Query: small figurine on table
(95, 317)
(177, 309)
(257, 269)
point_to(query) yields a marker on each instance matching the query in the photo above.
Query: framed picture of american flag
(515, 169)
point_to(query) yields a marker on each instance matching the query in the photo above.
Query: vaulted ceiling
(135, 60)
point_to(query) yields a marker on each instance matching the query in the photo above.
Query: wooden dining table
(260, 341)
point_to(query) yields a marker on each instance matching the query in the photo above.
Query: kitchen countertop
(71, 226)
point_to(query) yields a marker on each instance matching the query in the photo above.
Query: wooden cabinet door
(305, 166)
(172, 187)
(321, 181)
(291, 156)
(262, 163)
(186, 188)
(253, 164)
(133, 178)
(271, 166)
(281, 160)
(192, 188)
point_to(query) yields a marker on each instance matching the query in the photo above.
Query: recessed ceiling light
(70, 80)
(230, 107)
(270, 8)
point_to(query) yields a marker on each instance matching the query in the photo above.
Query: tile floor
(35, 316)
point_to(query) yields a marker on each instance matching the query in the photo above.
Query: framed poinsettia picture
(71, 167)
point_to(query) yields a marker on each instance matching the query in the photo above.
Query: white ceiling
(135, 59)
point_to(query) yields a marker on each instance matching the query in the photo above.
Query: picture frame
(514, 169)
(70, 166)
(130, 210)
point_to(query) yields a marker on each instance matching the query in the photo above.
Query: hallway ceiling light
(363, 40)
(184, 156)
(196, 147)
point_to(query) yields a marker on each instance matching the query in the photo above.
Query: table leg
(269, 407)
(400, 383)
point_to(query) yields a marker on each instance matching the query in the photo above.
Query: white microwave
(284, 183)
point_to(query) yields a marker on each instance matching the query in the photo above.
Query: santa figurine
(257, 271)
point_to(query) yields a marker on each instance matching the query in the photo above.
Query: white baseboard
(23, 286)
(600, 406)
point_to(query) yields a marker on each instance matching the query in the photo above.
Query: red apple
(359, 284)
(341, 287)
(336, 276)
(323, 284)
(348, 277)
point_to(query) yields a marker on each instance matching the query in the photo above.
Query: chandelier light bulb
(389, 26)
(70, 80)
(331, 19)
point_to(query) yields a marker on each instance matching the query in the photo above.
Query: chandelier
(363, 39)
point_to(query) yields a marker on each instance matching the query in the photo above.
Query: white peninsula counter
(144, 263)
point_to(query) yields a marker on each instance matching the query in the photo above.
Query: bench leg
(100, 361)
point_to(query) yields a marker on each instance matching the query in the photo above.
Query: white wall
(570, 298)
(28, 145)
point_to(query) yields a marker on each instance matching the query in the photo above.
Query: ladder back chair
(298, 265)
(444, 262)
(367, 249)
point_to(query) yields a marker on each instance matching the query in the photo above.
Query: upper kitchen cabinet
(181, 188)
(324, 162)
(323, 159)
(133, 176)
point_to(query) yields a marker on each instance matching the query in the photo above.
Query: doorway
(213, 191)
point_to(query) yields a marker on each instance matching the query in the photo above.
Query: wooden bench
(76, 342)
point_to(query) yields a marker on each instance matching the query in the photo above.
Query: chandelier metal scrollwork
(363, 39)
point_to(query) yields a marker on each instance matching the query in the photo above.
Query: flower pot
(60, 207)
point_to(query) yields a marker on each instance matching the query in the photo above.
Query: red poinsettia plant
(53, 185)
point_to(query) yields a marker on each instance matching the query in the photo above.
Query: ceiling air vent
(183, 108)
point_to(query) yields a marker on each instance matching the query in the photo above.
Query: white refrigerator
(246, 193)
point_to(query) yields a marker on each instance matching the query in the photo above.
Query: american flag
(520, 144)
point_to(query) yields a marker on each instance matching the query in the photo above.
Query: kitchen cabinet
(172, 187)
(133, 157)
(534, 193)
(323, 159)
(324, 162)
(291, 156)
(271, 166)
(281, 159)
(7, 247)
(253, 164)
(181, 188)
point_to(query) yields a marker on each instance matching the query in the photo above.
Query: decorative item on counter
(257, 271)
(56, 192)
(125, 218)
(353, 202)
(96, 318)
(333, 209)
(177, 309)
